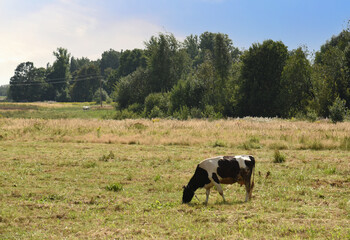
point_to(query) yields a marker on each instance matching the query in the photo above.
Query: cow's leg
(218, 186)
(207, 193)
(247, 189)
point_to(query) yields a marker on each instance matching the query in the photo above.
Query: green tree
(77, 63)
(109, 59)
(262, 66)
(328, 81)
(59, 77)
(130, 60)
(166, 62)
(133, 88)
(191, 45)
(4, 90)
(295, 91)
(28, 83)
(86, 83)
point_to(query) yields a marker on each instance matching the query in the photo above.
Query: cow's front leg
(207, 193)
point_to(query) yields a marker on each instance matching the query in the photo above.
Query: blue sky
(32, 30)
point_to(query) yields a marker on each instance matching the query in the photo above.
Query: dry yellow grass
(271, 133)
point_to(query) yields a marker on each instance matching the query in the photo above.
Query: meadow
(94, 178)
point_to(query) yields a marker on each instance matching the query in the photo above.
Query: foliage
(337, 110)
(261, 79)
(295, 90)
(28, 83)
(86, 82)
(110, 59)
(97, 96)
(59, 76)
(156, 105)
(132, 88)
(4, 90)
(204, 76)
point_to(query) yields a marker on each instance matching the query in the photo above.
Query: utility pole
(101, 91)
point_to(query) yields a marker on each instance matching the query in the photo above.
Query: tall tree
(166, 62)
(60, 76)
(109, 59)
(77, 63)
(295, 89)
(86, 83)
(191, 44)
(130, 60)
(28, 83)
(133, 88)
(329, 81)
(262, 66)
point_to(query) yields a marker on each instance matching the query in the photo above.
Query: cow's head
(187, 194)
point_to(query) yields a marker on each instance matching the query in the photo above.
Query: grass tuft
(115, 187)
(279, 157)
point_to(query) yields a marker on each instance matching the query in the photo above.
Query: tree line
(202, 76)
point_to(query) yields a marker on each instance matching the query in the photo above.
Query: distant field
(53, 110)
(104, 179)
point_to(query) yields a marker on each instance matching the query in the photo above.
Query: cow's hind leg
(218, 186)
(247, 189)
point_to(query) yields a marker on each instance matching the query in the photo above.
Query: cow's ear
(183, 186)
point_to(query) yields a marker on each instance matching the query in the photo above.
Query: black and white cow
(224, 169)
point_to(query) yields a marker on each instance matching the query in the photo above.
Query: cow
(223, 169)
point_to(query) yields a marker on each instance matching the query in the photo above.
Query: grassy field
(53, 110)
(103, 179)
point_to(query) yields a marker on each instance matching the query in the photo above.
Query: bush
(182, 114)
(209, 112)
(196, 113)
(96, 98)
(156, 105)
(155, 113)
(125, 114)
(279, 157)
(337, 111)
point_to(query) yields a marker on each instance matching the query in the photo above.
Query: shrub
(125, 114)
(115, 187)
(96, 98)
(279, 157)
(338, 110)
(182, 114)
(195, 113)
(156, 105)
(155, 113)
(209, 112)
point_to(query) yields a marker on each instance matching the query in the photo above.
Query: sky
(33, 30)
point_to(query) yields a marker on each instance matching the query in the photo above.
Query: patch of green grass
(278, 157)
(252, 143)
(219, 143)
(345, 144)
(115, 187)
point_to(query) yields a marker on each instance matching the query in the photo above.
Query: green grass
(67, 179)
(59, 111)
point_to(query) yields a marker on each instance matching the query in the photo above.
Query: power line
(64, 80)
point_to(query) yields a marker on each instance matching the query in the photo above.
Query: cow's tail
(252, 184)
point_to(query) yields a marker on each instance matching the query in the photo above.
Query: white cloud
(34, 36)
